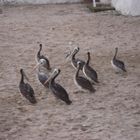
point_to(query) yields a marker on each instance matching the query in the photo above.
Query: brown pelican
(81, 82)
(42, 72)
(57, 89)
(25, 89)
(89, 72)
(75, 60)
(39, 56)
(118, 65)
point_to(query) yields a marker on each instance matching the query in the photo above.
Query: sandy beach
(111, 113)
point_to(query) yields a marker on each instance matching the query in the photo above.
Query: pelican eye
(78, 63)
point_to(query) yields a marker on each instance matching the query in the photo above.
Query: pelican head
(40, 45)
(116, 48)
(23, 73)
(54, 73)
(75, 50)
(41, 63)
(78, 63)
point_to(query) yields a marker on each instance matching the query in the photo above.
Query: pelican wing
(28, 92)
(60, 92)
(90, 72)
(119, 64)
(84, 83)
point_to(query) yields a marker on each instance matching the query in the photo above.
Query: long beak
(46, 82)
(35, 67)
(50, 77)
(75, 50)
(25, 76)
(68, 55)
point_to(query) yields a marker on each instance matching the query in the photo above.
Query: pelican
(81, 82)
(118, 65)
(57, 89)
(25, 89)
(39, 56)
(75, 60)
(89, 72)
(42, 72)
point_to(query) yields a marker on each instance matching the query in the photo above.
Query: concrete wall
(37, 1)
(127, 7)
(105, 1)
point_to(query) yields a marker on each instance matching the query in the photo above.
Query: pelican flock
(47, 76)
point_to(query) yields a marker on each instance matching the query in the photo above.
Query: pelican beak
(46, 82)
(68, 55)
(35, 67)
(50, 77)
(25, 76)
(75, 50)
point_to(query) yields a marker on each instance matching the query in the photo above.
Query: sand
(111, 113)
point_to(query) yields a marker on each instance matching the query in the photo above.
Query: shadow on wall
(127, 7)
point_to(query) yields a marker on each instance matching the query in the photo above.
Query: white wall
(127, 7)
(37, 1)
